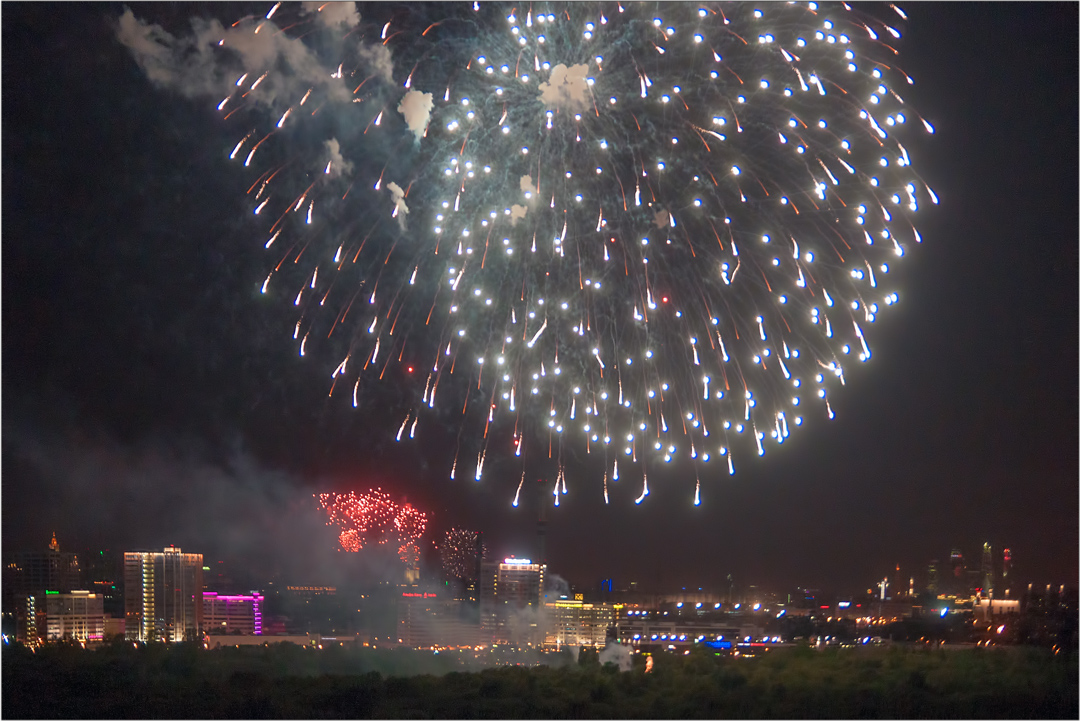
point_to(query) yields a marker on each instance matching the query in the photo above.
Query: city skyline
(931, 576)
(154, 398)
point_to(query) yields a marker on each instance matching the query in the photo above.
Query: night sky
(152, 396)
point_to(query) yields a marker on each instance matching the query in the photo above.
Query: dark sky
(150, 395)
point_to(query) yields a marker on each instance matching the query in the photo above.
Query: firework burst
(458, 553)
(372, 518)
(654, 232)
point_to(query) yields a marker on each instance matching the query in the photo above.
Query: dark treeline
(283, 681)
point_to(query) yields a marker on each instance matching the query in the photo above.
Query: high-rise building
(411, 556)
(425, 620)
(34, 572)
(163, 595)
(576, 623)
(510, 602)
(932, 577)
(78, 616)
(956, 563)
(102, 573)
(988, 570)
(26, 577)
(232, 614)
(1006, 566)
(29, 619)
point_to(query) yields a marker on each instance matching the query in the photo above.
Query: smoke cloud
(400, 209)
(338, 165)
(567, 88)
(262, 523)
(662, 218)
(209, 61)
(331, 14)
(517, 212)
(416, 108)
(379, 58)
(617, 654)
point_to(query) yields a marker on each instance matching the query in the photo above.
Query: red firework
(374, 518)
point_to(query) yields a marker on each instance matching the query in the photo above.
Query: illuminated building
(307, 593)
(985, 609)
(26, 577)
(956, 563)
(78, 616)
(425, 620)
(653, 628)
(1006, 566)
(29, 619)
(576, 623)
(232, 614)
(510, 607)
(163, 595)
(34, 572)
(988, 570)
(932, 578)
(410, 554)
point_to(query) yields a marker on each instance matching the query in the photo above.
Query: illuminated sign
(579, 597)
(517, 561)
(417, 595)
(844, 604)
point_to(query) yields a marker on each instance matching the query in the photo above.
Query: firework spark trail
(771, 199)
(372, 518)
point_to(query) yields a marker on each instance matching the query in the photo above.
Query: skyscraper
(956, 562)
(163, 595)
(987, 570)
(1006, 566)
(27, 576)
(510, 602)
(932, 578)
(34, 572)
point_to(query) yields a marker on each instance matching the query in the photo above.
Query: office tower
(26, 577)
(102, 573)
(34, 572)
(987, 570)
(163, 595)
(932, 577)
(1006, 566)
(410, 554)
(425, 620)
(956, 562)
(510, 601)
(478, 560)
(232, 614)
(576, 623)
(958, 580)
(77, 616)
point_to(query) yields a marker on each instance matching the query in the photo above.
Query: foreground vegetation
(120, 681)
